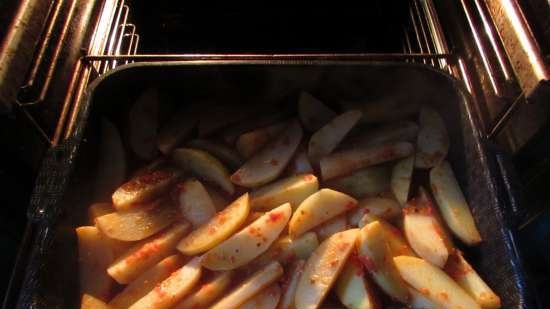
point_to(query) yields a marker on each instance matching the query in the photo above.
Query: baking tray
(66, 181)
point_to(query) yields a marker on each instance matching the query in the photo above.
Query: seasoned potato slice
(332, 226)
(433, 140)
(270, 162)
(313, 113)
(217, 229)
(452, 204)
(293, 190)
(144, 188)
(353, 289)
(322, 269)
(146, 253)
(137, 223)
(251, 142)
(375, 254)
(299, 164)
(401, 131)
(204, 166)
(384, 208)
(266, 299)
(290, 285)
(419, 301)
(94, 256)
(347, 161)
(285, 249)
(364, 182)
(91, 302)
(438, 286)
(395, 239)
(424, 234)
(226, 154)
(319, 208)
(401, 179)
(250, 287)
(326, 139)
(250, 242)
(207, 293)
(195, 202)
(174, 288)
(461, 271)
(146, 282)
(177, 129)
(99, 209)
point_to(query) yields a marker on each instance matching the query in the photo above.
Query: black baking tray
(66, 181)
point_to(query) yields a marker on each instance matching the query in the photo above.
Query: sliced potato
(438, 286)
(159, 163)
(461, 271)
(332, 226)
(322, 269)
(401, 131)
(195, 203)
(143, 124)
(364, 182)
(347, 161)
(286, 250)
(319, 208)
(91, 302)
(226, 154)
(290, 284)
(291, 190)
(146, 253)
(146, 282)
(207, 293)
(433, 140)
(375, 254)
(384, 208)
(248, 243)
(250, 287)
(384, 109)
(353, 289)
(395, 239)
(111, 160)
(266, 299)
(137, 223)
(144, 188)
(270, 162)
(401, 179)
(299, 164)
(419, 301)
(174, 288)
(266, 118)
(99, 209)
(219, 201)
(204, 166)
(313, 113)
(217, 229)
(424, 234)
(177, 129)
(452, 204)
(94, 256)
(326, 139)
(251, 142)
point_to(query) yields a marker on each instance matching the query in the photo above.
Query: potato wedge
(364, 182)
(217, 229)
(99, 209)
(452, 204)
(348, 161)
(195, 203)
(375, 254)
(353, 289)
(438, 286)
(401, 179)
(433, 141)
(207, 293)
(174, 288)
(271, 161)
(318, 208)
(266, 299)
(177, 129)
(313, 113)
(226, 154)
(143, 124)
(322, 269)
(290, 284)
(332, 226)
(219, 201)
(250, 287)
(159, 163)
(293, 190)
(146, 282)
(424, 234)
(94, 256)
(384, 208)
(111, 160)
(419, 301)
(204, 166)
(395, 239)
(137, 223)
(299, 164)
(327, 138)
(268, 116)
(251, 142)
(146, 253)
(248, 243)
(286, 250)
(461, 271)
(401, 131)
(91, 302)
(384, 109)
(144, 188)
